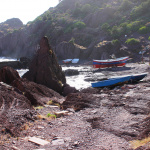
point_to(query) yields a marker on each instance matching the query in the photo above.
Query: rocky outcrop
(68, 49)
(36, 93)
(45, 69)
(15, 109)
(8, 75)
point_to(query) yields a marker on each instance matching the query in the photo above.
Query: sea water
(76, 81)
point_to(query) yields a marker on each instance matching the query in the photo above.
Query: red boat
(110, 62)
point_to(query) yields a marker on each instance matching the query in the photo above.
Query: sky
(25, 10)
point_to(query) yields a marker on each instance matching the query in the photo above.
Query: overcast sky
(25, 10)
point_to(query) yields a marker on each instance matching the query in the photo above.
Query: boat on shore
(111, 82)
(120, 80)
(110, 62)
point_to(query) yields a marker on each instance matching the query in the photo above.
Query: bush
(105, 27)
(144, 30)
(126, 5)
(79, 25)
(132, 41)
(115, 42)
(149, 38)
(141, 9)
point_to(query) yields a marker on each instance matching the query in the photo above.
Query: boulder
(44, 68)
(71, 72)
(8, 75)
(67, 89)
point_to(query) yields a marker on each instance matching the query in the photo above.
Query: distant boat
(110, 62)
(66, 61)
(111, 82)
(75, 60)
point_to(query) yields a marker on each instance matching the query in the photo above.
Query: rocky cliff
(75, 28)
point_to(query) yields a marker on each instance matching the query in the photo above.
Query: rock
(36, 93)
(79, 101)
(8, 75)
(15, 109)
(38, 141)
(45, 69)
(71, 72)
(67, 89)
(65, 49)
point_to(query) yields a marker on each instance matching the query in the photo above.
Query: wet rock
(15, 109)
(8, 75)
(45, 69)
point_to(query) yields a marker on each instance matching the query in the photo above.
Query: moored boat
(110, 62)
(111, 82)
(137, 77)
(66, 61)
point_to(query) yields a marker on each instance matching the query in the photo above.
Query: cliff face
(75, 28)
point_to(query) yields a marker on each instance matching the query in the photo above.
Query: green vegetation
(51, 115)
(115, 42)
(132, 41)
(149, 38)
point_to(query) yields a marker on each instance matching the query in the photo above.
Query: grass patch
(137, 143)
(51, 116)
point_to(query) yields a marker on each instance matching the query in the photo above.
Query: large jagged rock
(45, 69)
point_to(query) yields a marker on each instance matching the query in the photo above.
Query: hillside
(87, 29)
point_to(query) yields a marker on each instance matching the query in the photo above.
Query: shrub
(115, 42)
(79, 25)
(72, 40)
(149, 38)
(105, 27)
(132, 41)
(144, 30)
(126, 5)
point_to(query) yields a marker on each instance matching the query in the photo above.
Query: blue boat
(137, 77)
(112, 81)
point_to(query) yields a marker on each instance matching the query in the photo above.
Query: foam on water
(2, 59)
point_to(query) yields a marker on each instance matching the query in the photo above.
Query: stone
(44, 68)
(8, 75)
(38, 141)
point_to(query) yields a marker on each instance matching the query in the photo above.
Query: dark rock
(36, 93)
(45, 69)
(8, 75)
(79, 101)
(67, 89)
(15, 109)
(71, 72)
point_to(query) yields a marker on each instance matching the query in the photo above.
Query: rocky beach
(35, 114)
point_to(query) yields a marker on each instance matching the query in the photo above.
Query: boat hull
(119, 62)
(111, 82)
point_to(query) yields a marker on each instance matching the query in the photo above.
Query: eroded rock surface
(45, 69)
